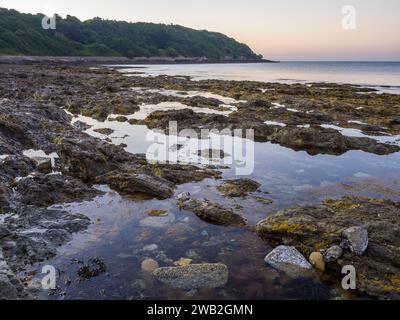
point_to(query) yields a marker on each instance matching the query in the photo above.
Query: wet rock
(14, 134)
(314, 139)
(149, 265)
(89, 158)
(370, 145)
(7, 289)
(134, 183)
(317, 140)
(180, 174)
(33, 234)
(9, 285)
(238, 188)
(15, 166)
(4, 231)
(194, 276)
(81, 125)
(214, 213)
(105, 131)
(93, 268)
(5, 198)
(202, 102)
(42, 164)
(317, 261)
(288, 260)
(101, 106)
(186, 118)
(46, 190)
(311, 228)
(357, 238)
(333, 253)
(119, 119)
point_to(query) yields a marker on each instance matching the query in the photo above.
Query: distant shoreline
(123, 60)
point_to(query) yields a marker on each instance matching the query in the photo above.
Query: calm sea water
(363, 73)
(119, 236)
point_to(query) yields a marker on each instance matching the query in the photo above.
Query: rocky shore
(36, 103)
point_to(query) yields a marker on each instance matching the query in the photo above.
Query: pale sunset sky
(279, 29)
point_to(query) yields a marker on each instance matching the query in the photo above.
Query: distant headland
(24, 39)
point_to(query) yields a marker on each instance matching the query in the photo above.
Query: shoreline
(9, 59)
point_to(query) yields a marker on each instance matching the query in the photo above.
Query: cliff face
(23, 34)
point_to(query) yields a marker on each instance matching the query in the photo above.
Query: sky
(277, 29)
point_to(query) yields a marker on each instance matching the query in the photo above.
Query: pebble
(149, 265)
(150, 247)
(333, 254)
(317, 260)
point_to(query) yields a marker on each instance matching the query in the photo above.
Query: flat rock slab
(195, 276)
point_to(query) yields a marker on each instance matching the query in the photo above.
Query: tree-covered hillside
(22, 34)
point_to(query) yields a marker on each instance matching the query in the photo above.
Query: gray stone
(150, 247)
(357, 238)
(288, 260)
(333, 253)
(194, 276)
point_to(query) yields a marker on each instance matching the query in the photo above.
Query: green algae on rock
(314, 228)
